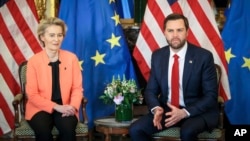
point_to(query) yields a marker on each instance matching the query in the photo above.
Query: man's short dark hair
(176, 16)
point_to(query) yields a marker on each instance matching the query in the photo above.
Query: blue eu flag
(236, 39)
(95, 35)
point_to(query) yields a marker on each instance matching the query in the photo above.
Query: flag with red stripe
(203, 32)
(18, 42)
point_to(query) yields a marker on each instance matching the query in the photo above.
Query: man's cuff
(188, 114)
(152, 110)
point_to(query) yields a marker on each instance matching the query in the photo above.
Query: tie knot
(176, 56)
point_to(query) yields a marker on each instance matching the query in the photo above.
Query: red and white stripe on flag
(18, 42)
(203, 32)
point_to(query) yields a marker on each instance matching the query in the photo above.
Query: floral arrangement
(122, 92)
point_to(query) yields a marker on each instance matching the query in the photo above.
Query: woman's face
(53, 37)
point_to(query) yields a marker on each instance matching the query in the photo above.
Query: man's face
(176, 33)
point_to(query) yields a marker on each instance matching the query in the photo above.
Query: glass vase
(124, 112)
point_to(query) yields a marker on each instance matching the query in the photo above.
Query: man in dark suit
(196, 109)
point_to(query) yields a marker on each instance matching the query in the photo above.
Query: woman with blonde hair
(54, 85)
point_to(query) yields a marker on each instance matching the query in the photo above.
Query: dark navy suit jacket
(200, 89)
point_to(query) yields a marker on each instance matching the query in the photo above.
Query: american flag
(18, 42)
(203, 32)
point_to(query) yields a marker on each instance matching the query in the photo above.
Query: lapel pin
(190, 61)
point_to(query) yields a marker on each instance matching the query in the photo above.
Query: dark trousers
(143, 128)
(43, 122)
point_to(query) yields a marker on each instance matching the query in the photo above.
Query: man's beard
(176, 46)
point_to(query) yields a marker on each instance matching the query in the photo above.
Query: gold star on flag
(80, 63)
(98, 58)
(229, 55)
(116, 18)
(247, 63)
(114, 40)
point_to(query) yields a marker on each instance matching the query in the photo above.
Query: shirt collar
(181, 53)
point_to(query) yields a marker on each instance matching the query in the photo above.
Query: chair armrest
(17, 99)
(16, 105)
(84, 103)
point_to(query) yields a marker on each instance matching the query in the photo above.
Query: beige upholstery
(174, 134)
(22, 130)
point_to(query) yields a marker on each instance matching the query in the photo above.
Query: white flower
(132, 90)
(121, 91)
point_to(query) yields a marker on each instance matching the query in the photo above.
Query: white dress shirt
(181, 60)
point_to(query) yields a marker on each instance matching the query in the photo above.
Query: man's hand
(174, 116)
(158, 112)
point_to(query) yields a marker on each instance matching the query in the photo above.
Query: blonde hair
(45, 23)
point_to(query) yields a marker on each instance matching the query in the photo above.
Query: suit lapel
(188, 66)
(164, 68)
(47, 73)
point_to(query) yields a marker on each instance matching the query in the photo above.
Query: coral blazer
(39, 83)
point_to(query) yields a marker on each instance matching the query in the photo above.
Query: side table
(108, 126)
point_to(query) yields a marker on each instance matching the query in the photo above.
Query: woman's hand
(66, 110)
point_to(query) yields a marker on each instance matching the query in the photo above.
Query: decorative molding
(220, 18)
(47, 8)
(52, 8)
(127, 23)
(41, 8)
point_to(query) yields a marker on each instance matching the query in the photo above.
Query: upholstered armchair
(22, 130)
(173, 133)
(217, 134)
